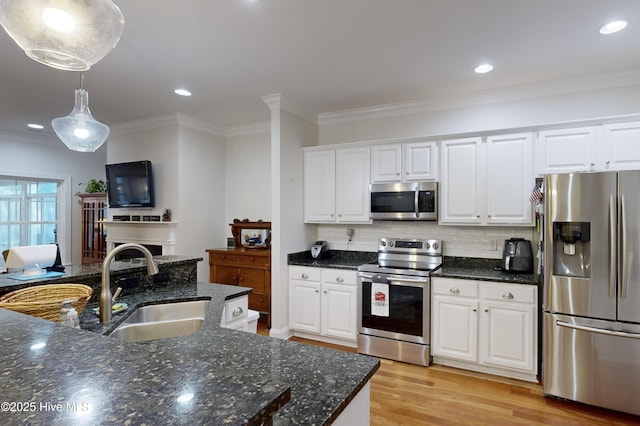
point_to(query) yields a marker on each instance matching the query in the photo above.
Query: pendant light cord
(82, 80)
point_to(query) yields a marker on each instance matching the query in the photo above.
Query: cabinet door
(507, 335)
(461, 189)
(225, 275)
(339, 311)
(319, 186)
(420, 161)
(386, 163)
(510, 179)
(621, 146)
(455, 328)
(352, 185)
(305, 306)
(569, 150)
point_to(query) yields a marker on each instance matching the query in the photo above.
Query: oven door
(408, 313)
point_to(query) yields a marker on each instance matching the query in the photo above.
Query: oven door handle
(394, 279)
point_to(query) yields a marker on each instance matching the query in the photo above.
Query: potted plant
(95, 186)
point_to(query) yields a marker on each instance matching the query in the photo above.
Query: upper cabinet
(569, 150)
(597, 148)
(336, 185)
(404, 162)
(487, 182)
(621, 146)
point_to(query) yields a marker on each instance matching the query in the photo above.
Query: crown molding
(524, 91)
(277, 101)
(175, 119)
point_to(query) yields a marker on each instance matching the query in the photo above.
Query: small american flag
(536, 195)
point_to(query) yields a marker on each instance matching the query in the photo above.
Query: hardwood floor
(406, 394)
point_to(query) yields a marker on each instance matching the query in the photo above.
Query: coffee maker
(517, 255)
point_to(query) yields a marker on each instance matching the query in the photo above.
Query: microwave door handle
(416, 197)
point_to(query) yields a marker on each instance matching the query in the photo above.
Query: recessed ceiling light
(35, 126)
(613, 27)
(484, 68)
(182, 92)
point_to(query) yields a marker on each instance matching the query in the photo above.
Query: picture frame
(251, 235)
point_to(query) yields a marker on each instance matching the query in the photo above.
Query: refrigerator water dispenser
(571, 249)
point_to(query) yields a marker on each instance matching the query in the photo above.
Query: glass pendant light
(79, 131)
(65, 34)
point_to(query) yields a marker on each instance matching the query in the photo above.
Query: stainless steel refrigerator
(591, 298)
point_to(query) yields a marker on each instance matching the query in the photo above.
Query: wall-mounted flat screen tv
(130, 184)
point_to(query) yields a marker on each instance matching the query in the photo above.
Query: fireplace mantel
(145, 233)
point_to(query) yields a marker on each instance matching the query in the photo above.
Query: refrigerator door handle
(623, 248)
(613, 264)
(598, 330)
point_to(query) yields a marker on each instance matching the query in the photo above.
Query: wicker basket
(45, 301)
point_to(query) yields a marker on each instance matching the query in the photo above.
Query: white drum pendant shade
(79, 131)
(65, 34)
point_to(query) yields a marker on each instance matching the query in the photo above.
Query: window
(29, 211)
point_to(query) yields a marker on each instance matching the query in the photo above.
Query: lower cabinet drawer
(236, 309)
(259, 302)
(455, 287)
(509, 292)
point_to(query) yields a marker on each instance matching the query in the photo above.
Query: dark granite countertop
(481, 269)
(91, 273)
(338, 259)
(222, 375)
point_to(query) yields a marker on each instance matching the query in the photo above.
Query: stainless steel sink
(161, 321)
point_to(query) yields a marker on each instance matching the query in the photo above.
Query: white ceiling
(324, 55)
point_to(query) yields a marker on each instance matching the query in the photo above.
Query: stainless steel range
(394, 300)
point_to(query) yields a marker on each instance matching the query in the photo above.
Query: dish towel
(380, 299)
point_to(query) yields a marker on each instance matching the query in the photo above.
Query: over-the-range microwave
(404, 201)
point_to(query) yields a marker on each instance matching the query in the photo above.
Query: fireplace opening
(155, 250)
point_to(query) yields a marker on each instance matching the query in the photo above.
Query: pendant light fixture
(79, 131)
(65, 34)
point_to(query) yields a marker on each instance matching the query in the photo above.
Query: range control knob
(426, 245)
(435, 246)
(390, 243)
(383, 243)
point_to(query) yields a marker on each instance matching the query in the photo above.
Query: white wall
(188, 171)
(289, 133)
(201, 189)
(248, 177)
(44, 155)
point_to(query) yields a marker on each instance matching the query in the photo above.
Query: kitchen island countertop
(216, 375)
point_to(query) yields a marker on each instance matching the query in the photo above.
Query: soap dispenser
(69, 315)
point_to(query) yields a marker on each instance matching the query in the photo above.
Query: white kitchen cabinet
(487, 182)
(462, 185)
(455, 327)
(336, 185)
(386, 163)
(569, 150)
(621, 146)
(323, 304)
(404, 162)
(235, 313)
(485, 326)
(510, 178)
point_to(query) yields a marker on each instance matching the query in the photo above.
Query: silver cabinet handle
(304, 276)
(507, 295)
(486, 310)
(237, 311)
(340, 279)
(475, 310)
(454, 290)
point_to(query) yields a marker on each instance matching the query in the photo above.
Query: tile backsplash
(463, 241)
